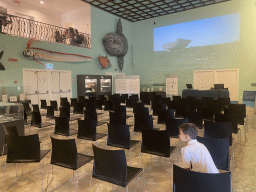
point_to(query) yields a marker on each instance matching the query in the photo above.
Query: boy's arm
(185, 159)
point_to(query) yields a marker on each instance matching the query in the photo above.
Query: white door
(35, 85)
(55, 86)
(30, 85)
(203, 80)
(65, 84)
(42, 86)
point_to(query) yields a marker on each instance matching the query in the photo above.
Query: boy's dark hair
(190, 129)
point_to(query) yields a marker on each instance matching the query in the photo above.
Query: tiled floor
(157, 176)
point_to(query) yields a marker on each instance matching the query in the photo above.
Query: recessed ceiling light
(41, 2)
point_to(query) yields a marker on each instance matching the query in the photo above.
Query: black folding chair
(110, 166)
(24, 149)
(219, 150)
(64, 154)
(186, 181)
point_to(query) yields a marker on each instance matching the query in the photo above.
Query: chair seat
(71, 132)
(43, 153)
(101, 123)
(132, 172)
(46, 124)
(133, 143)
(98, 136)
(83, 159)
(172, 149)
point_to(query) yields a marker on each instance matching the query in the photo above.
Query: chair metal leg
(16, 169)
(91, 184)
(130, 157)
(4, 175)
(42, 176)
(139, 159)
(76, 180)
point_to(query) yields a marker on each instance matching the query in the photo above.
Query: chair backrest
(26, 107)
(90, 106)
(66, 105)
(186, 181)
(130, 103)
(176, 98)
(50, 112)
(73, 101)
(119, 136)
(43, 104)
(61, 125)
(87, 129)
(233, 118)
(165, 114)
(119, 108)
(160, 145)
(63, 100)
(64, 112)
(108, 105)
(10, 130)
(36, 119)
(91, 114)
(238, 109)
(172, 126)
(64, 153)
(117, 118)
(98, 104)
(78, 108)
(110, 165)
(217, 130)
(2, 110)
(195, 117)
(35, 108)
(219, 150)
(143, 122)
(14, 109)
(23, 149)
(54, 105)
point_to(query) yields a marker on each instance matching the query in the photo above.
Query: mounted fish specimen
(43, 54)
(1, 65)
(116, 44)
(104, 61)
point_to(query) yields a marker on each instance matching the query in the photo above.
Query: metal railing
(27, 28)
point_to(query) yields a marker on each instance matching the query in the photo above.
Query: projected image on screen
(205, 32)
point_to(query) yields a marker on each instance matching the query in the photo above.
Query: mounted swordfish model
(43, 54)
(116, 44)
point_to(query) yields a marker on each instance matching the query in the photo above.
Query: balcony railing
(22, 27)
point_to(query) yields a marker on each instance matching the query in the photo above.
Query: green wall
(153, 66)
(101, 24)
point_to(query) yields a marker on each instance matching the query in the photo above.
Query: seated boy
(195, 155)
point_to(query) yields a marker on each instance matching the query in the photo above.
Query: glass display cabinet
(90, 87)
(105, 85)
(94, 85)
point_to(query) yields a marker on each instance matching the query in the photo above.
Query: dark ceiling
(138, 10)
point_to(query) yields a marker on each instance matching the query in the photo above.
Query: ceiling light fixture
(41, 2)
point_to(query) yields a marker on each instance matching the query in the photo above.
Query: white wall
(81, 19)
(39, 15)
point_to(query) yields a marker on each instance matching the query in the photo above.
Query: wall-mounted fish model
(116, 44)
(104, 61)
(43, 54)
